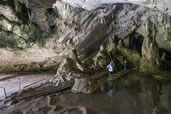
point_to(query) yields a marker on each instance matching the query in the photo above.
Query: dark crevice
(135, 42)
(168, 54)
(23, 15)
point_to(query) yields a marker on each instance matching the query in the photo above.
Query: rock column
(150, 61)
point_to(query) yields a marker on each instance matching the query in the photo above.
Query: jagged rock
(102, 59)
(89, 5)
(111, 47)
(131, 56)
(7, 12)
(5, 24)
(70, 68)
(150, 61)
(72, 64)
(65, 26)
(84, 85)
(78, 63)
(18, 6)
(119, 53)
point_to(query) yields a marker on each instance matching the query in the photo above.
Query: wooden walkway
(44, 90)
(50, 88)
(118, 75)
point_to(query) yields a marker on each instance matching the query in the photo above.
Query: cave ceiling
(163, 5)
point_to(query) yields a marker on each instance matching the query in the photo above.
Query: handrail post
(5, 93)
(19, 88)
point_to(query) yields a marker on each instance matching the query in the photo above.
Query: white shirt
(110, 67)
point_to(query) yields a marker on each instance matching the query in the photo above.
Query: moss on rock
(150, 61)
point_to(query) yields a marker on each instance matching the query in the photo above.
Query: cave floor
(132, 94)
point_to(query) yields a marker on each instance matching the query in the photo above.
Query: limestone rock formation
(150, 61)
(84, 85)
(62, 25)
(102, 59)
(8, 13)
(70, 68)
(119, 53)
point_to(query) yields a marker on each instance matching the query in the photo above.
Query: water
(133, 95)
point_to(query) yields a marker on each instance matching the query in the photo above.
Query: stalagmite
(112, 16)
(146, 29)
(101, 20)
(29, 15)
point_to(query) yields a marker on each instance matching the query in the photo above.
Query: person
(124, 64)
(110, 93)
(110, 68)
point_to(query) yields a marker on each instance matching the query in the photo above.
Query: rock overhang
(163, 6)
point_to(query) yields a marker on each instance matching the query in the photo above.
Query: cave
(85, 57)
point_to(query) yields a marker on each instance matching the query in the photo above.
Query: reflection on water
(133, 95)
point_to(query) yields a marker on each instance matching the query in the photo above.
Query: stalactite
(67, 7)
(112, 16)
(164, 21)
(168, 19)
(113, 37)
(29, 15)
(146, 29)
(104, 20)
(163, 18)
(101, 20)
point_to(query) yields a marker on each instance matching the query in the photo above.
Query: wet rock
(75, 110)
(84, 85)
(150, 61)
